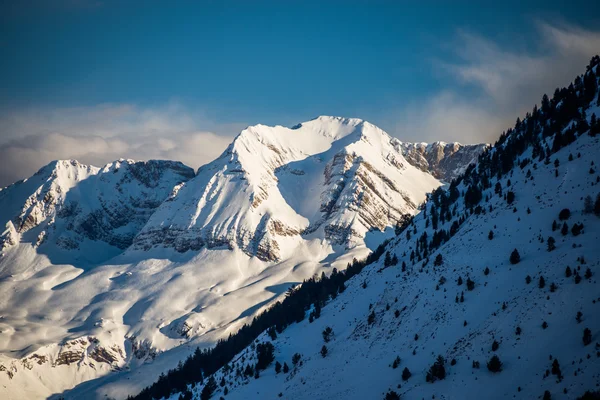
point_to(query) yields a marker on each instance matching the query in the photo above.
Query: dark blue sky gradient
(250, 61)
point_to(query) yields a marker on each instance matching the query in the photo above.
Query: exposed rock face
(445, 161)
(85, 350)
(9, 237)
(67, 202)
(354, 173)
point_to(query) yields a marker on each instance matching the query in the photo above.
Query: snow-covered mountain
(69, 202)
(490, 292)
(332, 178)
(104, 269)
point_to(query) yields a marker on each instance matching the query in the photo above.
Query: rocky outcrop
(86, 350)
(9, 237)
(445, 161)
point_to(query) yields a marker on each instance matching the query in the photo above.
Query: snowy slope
(425, 310)
(358, 364)
(108, 269)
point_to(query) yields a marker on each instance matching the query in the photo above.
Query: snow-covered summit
(274, 184)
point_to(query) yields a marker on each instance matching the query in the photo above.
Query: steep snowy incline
(251, 197)
(427, 310)
(491, 291)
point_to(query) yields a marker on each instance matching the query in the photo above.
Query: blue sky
(158, 68)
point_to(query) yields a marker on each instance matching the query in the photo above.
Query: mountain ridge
(140, 260)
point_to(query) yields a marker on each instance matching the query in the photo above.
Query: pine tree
(470, 284)
(391, 395)
(491, 235)
(551, 243)
(494, 365)
(547, 396)
(208, 389)
(406, 374)
(388, 259)
(568, 272)
(327, 332)
(495, 345)
(277, 367)
(515, 257)
(286, 369)
(324, 351)
(437, 371)
(587, 336)
(486, 271)
(510, 197)
(565, 229)
(265, 354)
(542, 282)
(564, 214)
(576, 229)
(578, 317)
(371, 318)
(438, 260)
(556, 368)
(588, 205)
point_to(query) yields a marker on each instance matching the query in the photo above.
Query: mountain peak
(252, 196)
(55, 167)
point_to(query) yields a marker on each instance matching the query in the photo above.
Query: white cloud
(100, 134)
(447, 117)
(506, 84)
